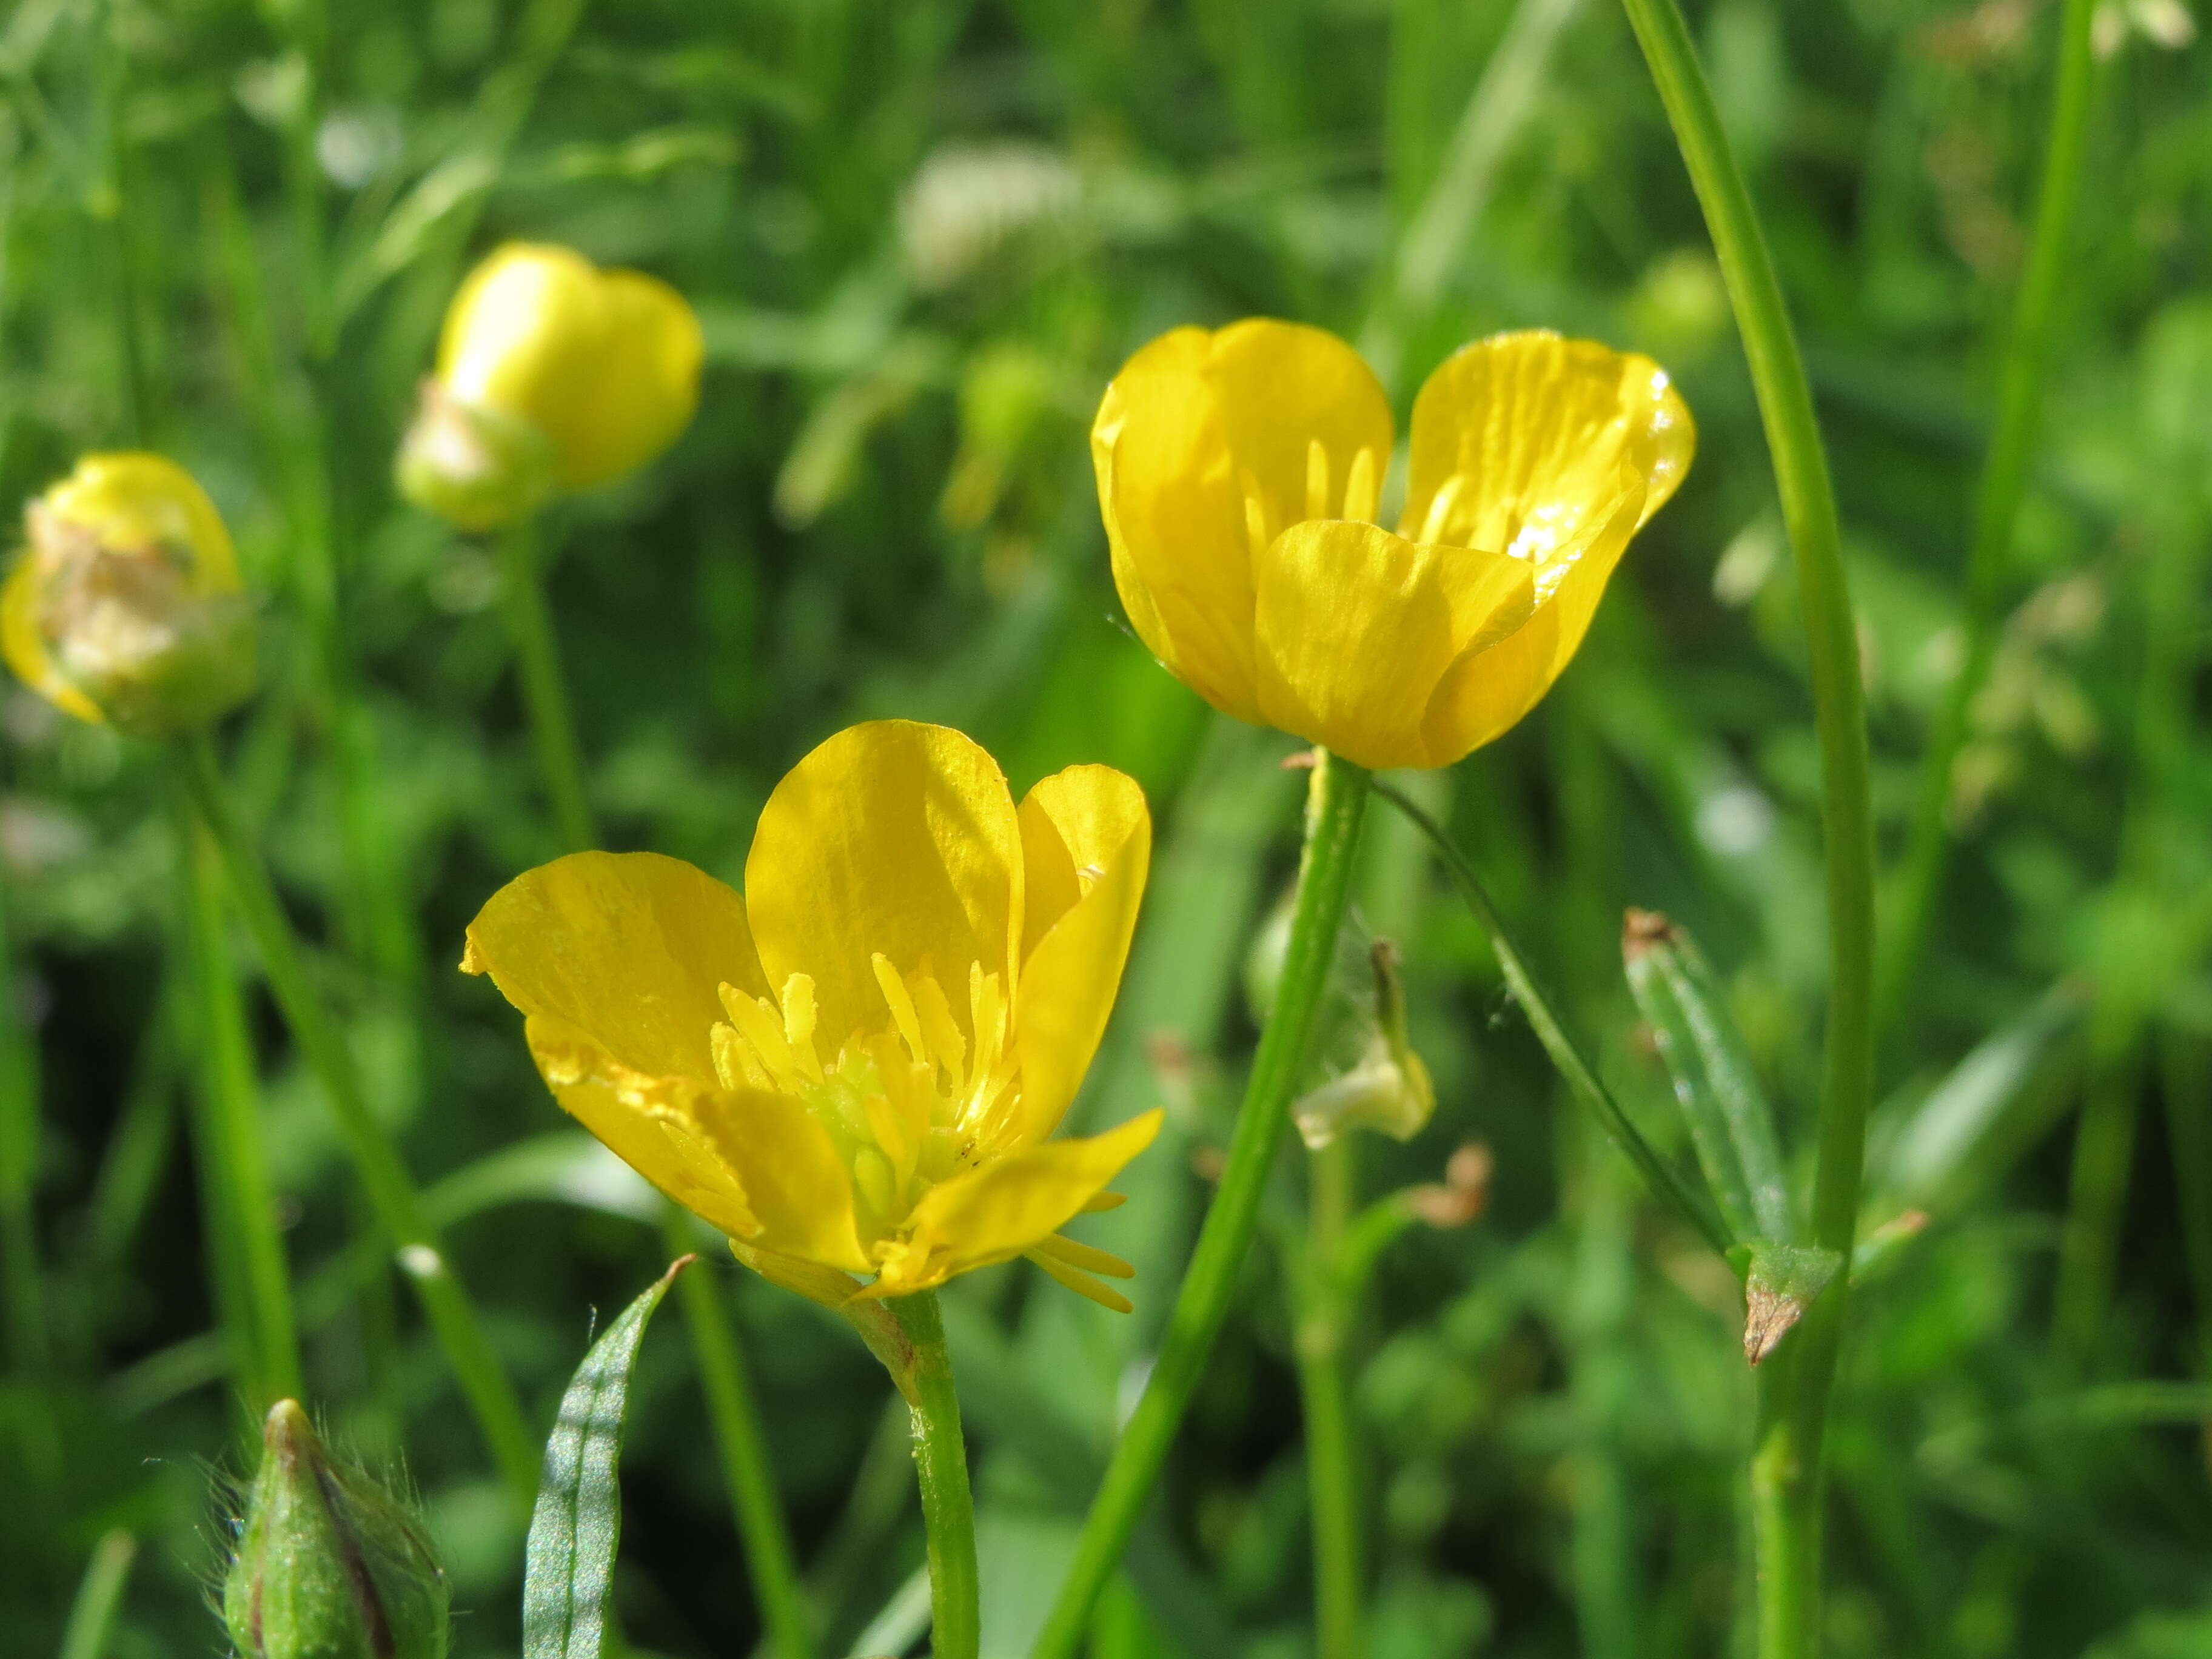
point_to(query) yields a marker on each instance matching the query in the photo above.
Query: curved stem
(1332, 1484)
(537, 659)
(242, 1208)
(745, 1465)
(1808, 508)
(376, 1160)
(940, 1464)
(1552, 1031)
(2004, 479)
(1334, 813)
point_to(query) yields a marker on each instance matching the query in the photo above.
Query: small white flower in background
(354, 146)
(968, 202)
(2165, 23)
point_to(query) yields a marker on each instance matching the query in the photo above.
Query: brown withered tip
(1385, 955)
(1643, 930)
(1767, 1316)
(1304, 761)
(1461, 1196)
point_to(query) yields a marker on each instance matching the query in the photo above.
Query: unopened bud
(1389, 1088)
(127, 606)
(552, 374)
(331, 1565)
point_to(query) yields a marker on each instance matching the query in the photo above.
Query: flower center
(1362, 490)
(907, 1105)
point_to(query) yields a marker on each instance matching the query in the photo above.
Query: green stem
(99, 1597)
(1334, 813)
(1808, 509)
(2004, 480)
(537, 658)
(241, 1207)
(30, 1339)
(2104, 1154)
(1552, 1031)
(1784, 1530)
(745, 1465)
(1332, 1483)
(940, 1464)
(376, 1160)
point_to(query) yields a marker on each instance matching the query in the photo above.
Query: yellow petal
(636, 1117)
(828, 1285)
(795, 1183)
(1086, 848)
(1523, 436)
(606, 363)
(1357, 628)
(1207, 446)
(25, 650)
(999, 1209)
(1487, 692)
(133, 499)
(890, 837)
(624, 948)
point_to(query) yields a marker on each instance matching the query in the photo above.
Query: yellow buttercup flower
(854, 1068)
(1240, 473)
(127, 606)
(552, 374)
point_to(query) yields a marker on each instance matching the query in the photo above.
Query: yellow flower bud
(552, 374)
(127, 606)
(1241, 473)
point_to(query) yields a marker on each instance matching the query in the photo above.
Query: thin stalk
(746, 1466)
(383, 1176)
(537, 659)
(1332, 1485)
(2089, 1251)
(99, 1596)
(30, 1335)
(2004, 480)
(1335, 810)
(241, 1217)
(940, 1465)
(1809, 510)
(1784, 1532)
(1551, 1031)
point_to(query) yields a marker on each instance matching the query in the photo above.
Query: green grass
(229, 232)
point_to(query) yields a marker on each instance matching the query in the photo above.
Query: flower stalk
(1325, 1305)
(544, 692)
(383, 1175)
(940, 1465)
(1791, 1432)
(1335, 809)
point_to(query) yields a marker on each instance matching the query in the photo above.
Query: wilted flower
(552, 374)
(127, 606)
(854, 1068)
(329, 1565)
(1240, 473)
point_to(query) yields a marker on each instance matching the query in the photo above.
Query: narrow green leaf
(570, 1561)
(1731, 1122)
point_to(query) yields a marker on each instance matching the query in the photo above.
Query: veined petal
(1519, 439)
(635, 1116)
(893, 837)
(25, 649)
(796, 1185)
(1086, 848)
(998, 1209)
(1357, 628)
(625, 949)
(1486, 692)
(1209, 445)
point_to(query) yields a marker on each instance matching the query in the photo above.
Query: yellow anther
(799, 1024)
(891, 1135)
(902, 1004)
(755, 1020)
(946, 1045)
(1362, 488)
(1316, 480)
(1257, 532)
(1440, 507)
(735, 1063)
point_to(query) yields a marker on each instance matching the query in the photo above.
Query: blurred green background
(920, 236)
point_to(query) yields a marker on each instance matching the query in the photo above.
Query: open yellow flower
(855, 1067)
(127, 606)
(552, 374)
(1240, 472)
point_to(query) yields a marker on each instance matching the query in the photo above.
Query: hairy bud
(329, 1565)
(127, 606)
